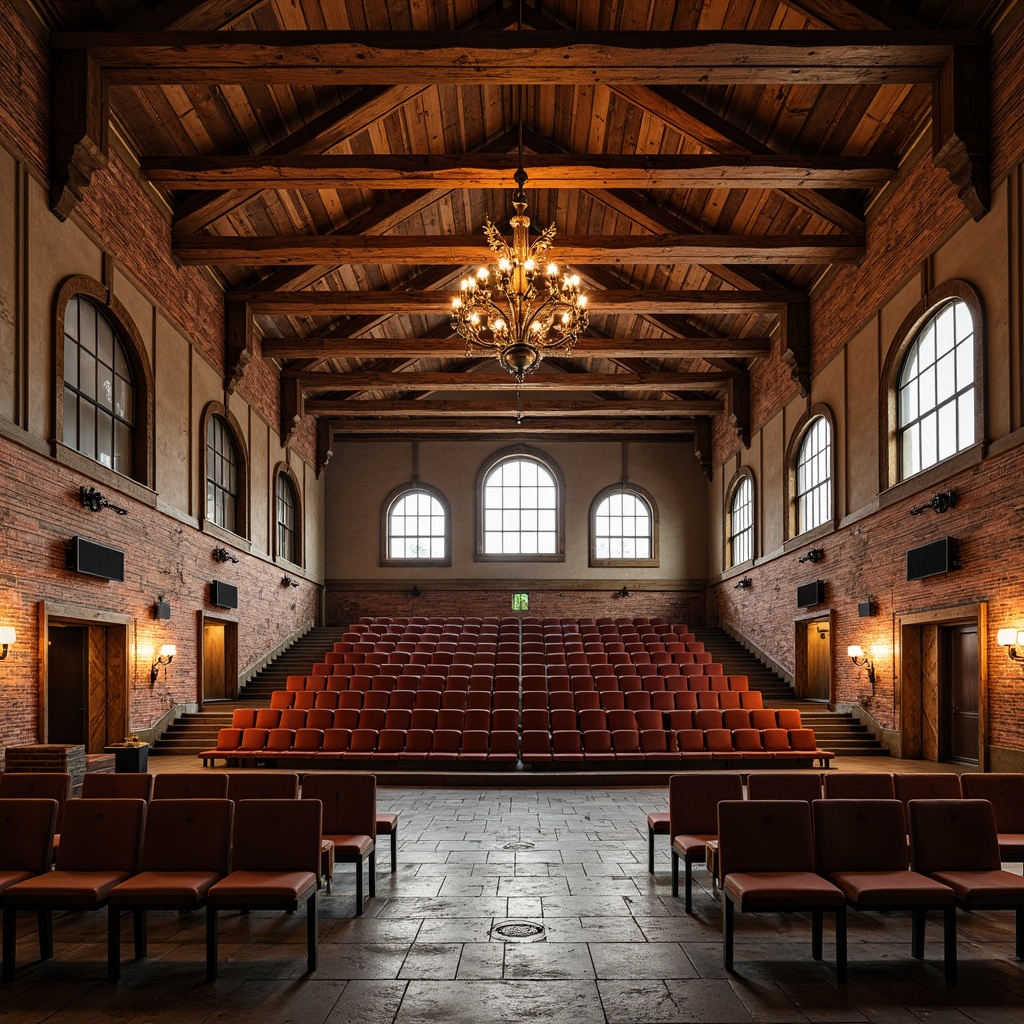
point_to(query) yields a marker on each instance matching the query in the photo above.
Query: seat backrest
(26, 833)
(859, 786)
(693, 801)
(243, 718)
(190, 786)
(736, 718)
(117, 786)
(102, 835)
(788, 718)
(784, 785)
(746, 739)
(37, 785)
(763, 718)
(926, 786)
(706, 718)
(188, 835)
(764, 836)
(1004, 791)
(261, 785)
(859, 835)
(279, 699)
(349, 801)
(276, 835)
(953, 835)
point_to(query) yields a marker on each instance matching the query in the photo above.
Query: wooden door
(960, 684)
(819, 660)
(214, 667)
(67, 683)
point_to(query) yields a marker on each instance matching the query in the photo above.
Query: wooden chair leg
(44, 922)
(10, 942)
(675, 873)
(359, 888)
(113, 943)
(949, 942)
(140, 933)
(211, 943)
(312, 935)
(373, 872)
(650, 849)
(727, 932)
(817, 928)
(688, 884)
(394, 849)
(841, 945)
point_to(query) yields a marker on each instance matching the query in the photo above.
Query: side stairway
(197, 731)
(839, 732)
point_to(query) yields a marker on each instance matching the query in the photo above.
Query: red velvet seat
(737, 718)
(417, 744)
(446, 745)
(243, 718)
(536, 746)
(747, 743)
(475, 745)
(566, 745)
(693, 820)
(361, 745)
(766, 858)
(788, 718)
(650, 719)
(690, 744)
(398, 718)
(751, 699)
(262, 786)
(280, 699)
(623, 719)
(776, 742)
(293, 718)
(654, 743)
(686, 701)
(451, 718)
(592, 719)
(719, 743)
(597, 745)
(676, 720)
(184, 854)
(925, 786)
(706, 718)
(423, 718)
(626, 745)
(803, 746)
(324, 718)
(335, 744)
(784, 786)
(275, 860)
(640, 700)
(504, 720)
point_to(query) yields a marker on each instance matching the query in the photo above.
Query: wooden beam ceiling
(414, 381)
(471, 427)
(420, 409)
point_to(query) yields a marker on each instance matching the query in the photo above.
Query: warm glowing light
(855, 651)
(168, 651)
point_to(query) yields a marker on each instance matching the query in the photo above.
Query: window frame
(890, 466)
(492, 462)
(403, 490)
(135, 353)
(796, 441)
(235, 435)
(742, 476)
(644, 496)
(284, 472)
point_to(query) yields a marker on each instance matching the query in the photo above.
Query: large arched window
(288, 516)
(813, 491)
(935, 398)
(740, 520)
(417, 527)
(221, 474)
(623, 527)
(520, 507)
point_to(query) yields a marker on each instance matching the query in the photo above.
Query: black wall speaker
(92, 559)
(865, 609)
(932, 559)
(223, 595)
(161, 609)
(810, 594)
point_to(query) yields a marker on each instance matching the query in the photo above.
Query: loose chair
(39, 786)
(185, 853)
(26, 839)
(925, 786)
(766, 857)
(1005, 792)
(860, 846)
(275, 863)
(693, 820)
(955, 842)
(190, 786)
(349, 802)
(387, 825)
(859, 786)
(100, 846)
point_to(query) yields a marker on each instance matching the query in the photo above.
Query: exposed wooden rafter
(418, 409)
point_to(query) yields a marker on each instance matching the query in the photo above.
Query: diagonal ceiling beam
(193, 15)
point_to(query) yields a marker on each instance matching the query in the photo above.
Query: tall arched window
(417, 527)
(221, 475)
(814, 476)
(288, 521)
(99, 388)
(935, 398)
(740, 521)
(623, 527)
(520, 507)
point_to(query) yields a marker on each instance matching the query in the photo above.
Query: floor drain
(518, 931)
(518, 847)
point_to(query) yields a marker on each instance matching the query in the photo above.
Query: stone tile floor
(616, 947)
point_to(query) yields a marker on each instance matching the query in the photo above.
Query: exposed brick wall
(345, 605)
(25, 84)
(41, 511)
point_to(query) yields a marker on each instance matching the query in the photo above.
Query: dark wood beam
(543, 58)
(626, 300)
(292, 409)
(847, 16)
(417, 409)
(411, 381)
(472, 427)
(238, 342)
(495, 170)
(586, 347)
(464, 250)
(796, 344)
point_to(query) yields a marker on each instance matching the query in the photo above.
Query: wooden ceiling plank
(409, 380)
(846, 16)
(476, 170)
(203, 250)
(542, 58)
(193, 15)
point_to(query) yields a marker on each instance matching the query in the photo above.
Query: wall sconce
(624, 592)
(744, 584)
(941, 502)
(8, 637)
(223, 555)
(94, 501)
(1012, 639)
(166, 656)
(287, 581)
(862, 660)
(815, 555)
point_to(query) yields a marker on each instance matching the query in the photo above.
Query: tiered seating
(487, 691)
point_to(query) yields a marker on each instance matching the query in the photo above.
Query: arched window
(416, 527)
(935, 398)
(221, 475)
(99, 388)
(814, 476)
(289, 518)
(623, 525)
(740, 520)
(520, 507)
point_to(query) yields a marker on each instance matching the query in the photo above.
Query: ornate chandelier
(537, 313)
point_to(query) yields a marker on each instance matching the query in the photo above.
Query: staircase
(197, 731)
(839, 732)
